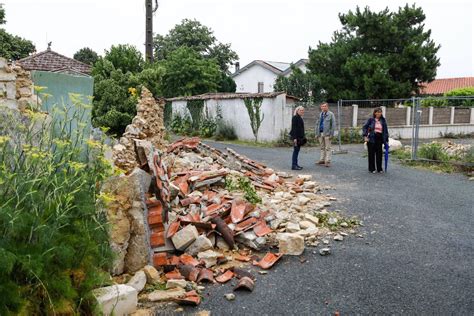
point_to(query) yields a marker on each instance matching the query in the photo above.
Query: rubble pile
(147, 125)
(455, 150)
(211, 213)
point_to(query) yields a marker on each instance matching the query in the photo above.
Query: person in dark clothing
(297, 136)
(375, 133)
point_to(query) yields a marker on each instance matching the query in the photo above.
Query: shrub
(181, 125)
(350, 136)
(225, 131)
(208, 127)
(53, 238)
(462, 92)
(432, 151)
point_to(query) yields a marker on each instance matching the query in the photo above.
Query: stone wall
(16, 86)
(148, 124)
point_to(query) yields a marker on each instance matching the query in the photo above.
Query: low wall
(277, 114)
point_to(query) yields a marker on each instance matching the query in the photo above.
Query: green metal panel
(59, 86)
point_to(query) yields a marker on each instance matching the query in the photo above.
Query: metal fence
(408, 118)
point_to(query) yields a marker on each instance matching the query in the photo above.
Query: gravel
(415, 257)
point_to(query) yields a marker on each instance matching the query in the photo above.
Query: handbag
(301, 141)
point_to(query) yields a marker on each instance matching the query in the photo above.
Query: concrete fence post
(430, 116)
(409, 109)
(355, 113)
(471, 121)
(384, 110)
(451, 121)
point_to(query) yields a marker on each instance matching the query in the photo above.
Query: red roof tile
(440, 86)
(49, 60)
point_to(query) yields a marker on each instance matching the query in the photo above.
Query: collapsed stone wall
(127, 212)
(148, 125)
(16, 86)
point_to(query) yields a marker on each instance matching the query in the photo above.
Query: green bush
(350, 135)
(434, 102)
(54, 244)
(432, 151)
(181, 125)
(462, 92)
(225, 131)
(208, 127)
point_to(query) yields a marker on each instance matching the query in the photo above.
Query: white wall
(276, 119)
(247, 81)
(302, 67)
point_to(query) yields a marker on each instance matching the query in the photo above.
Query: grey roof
(278, 68)
(227, 95)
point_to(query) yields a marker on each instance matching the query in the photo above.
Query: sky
(273, 30)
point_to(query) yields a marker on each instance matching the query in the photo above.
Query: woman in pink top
(375, 133)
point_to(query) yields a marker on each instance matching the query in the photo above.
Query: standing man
(324, 130)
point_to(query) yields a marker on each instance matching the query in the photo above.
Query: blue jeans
(296, 151)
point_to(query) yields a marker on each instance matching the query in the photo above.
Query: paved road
(417, 256)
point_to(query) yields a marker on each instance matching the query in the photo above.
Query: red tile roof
(49, 60)
(440, 86)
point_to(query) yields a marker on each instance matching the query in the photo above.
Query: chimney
(237, 66)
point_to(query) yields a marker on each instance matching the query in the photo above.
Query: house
(51, 61)
(60, 76)
(259, 76)
(439, 87)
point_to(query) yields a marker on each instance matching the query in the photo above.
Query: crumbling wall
(126, 212)
(148, 124)
(16, 86)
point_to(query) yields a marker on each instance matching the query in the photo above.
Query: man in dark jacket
(297, 136)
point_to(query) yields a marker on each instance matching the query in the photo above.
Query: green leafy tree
(11, 46)
(116, 87)
(125, 57)
(299, 84)
(376, 55)
(86, 55)
(187, 73)
(193, 35)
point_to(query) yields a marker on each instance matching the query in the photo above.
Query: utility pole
(149, 29)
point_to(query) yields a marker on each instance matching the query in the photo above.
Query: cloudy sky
(272, 30)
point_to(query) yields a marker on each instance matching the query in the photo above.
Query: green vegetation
(86, 55)
(253, 106)
(11, 46)
(54, 244)
(444, 101)
(299, 84)
(376, 55)
(243, 184)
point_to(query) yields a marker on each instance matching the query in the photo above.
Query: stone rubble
(201, 215)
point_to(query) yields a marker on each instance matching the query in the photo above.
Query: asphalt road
(416, 257)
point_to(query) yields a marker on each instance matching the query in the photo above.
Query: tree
(299, 84)
(86, 55)
(193, 35)
(125, 57)
(117, 86)
(376, 55)
(13, 47)
(187, 73)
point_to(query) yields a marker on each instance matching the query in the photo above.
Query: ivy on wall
(253, 106)
(195, 108)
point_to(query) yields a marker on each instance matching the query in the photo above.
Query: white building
(259, 76)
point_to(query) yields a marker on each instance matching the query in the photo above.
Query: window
(260, 87)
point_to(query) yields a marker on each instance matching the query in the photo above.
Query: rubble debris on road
(211, 213)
